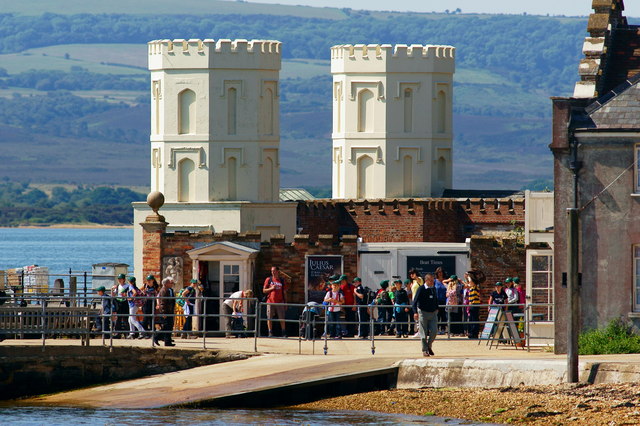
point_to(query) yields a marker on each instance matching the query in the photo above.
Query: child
(334, 298)
(401, 309)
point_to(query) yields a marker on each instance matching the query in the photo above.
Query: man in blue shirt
(425, 308)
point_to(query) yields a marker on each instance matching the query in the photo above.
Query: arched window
(441, 112)
(232, 178)
(268, 116)
(408, 110)
(442, 169)
(365, 176)
(407, 175)
(268, 193)
(365, 111)
(339, 108)
(186, 180)
(187, 112)
(232, 101)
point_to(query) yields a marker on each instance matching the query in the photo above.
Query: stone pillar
(152, 229)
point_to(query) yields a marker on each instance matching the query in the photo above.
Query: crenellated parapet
(393, 58)
(209, 53)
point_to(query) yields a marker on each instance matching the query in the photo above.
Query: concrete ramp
(259, 381)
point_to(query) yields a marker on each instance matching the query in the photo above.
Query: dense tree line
(78, 79)
(20, 204)
(534, 51)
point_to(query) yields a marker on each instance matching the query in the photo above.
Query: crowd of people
(421, 306)
(122, 305)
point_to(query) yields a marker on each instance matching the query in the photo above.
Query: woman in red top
(274, 288)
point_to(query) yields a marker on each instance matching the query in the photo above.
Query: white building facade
(392, 120)
(215, 137)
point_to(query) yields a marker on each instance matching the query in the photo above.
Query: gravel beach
(575, 404)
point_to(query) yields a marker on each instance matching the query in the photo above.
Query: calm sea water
(66, 416)
(61, 249)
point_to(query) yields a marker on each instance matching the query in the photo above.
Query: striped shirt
(474, 296)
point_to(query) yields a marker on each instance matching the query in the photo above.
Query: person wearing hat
(401, 309)
(189, 296)
(120, 305)
(385, 308)
(103, 322)
(134, 300)
(522, 294)
(349, 330)
(361, 294)
(150, 290)
(165, 307)
(498, 297)
(425, 308)
(512, 296)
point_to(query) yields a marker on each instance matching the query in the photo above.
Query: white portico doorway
(223, 268)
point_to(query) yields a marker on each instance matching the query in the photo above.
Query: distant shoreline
(69, 226)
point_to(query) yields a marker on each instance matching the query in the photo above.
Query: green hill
(507, 67)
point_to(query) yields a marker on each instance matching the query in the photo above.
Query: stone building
(596, 142)
(392, 120)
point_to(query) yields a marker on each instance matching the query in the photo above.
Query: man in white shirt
(234, 305)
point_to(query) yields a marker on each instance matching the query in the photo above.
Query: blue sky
(538, 7)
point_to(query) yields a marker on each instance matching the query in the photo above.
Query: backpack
(180, 300)
(369, 296)
(138, 298)
(384, 299)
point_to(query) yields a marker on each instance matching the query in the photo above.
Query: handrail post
(42, 322)
(326, 330)
(153, 322)
(256, 325)
(85, 289)
(204, 324)
(372, 333)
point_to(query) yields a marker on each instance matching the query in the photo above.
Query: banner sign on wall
(318, 271)
(424, 264)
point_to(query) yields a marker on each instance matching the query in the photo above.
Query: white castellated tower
(392, 120)
(215, 120)
(215, 136)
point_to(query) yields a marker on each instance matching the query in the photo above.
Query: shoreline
(576, 404)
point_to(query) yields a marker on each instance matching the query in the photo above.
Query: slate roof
(619, 109)
(295, 194)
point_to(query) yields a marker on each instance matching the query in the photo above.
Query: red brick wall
(498, 259)
(423, 220)
(290, 257)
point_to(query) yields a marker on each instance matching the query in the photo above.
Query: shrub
(618, 337)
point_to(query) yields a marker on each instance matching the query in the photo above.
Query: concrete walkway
(457, 363)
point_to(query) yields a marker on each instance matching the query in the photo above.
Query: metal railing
(48, 316)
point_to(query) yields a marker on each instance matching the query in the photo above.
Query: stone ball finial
(155, 200)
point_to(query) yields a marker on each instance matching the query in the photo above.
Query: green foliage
(64, 114)
(618, 337)
(534, 52)
(22, 204)
(78, 79)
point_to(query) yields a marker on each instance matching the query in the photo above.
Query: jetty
(279, 375)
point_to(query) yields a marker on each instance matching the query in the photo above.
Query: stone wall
(29, 370)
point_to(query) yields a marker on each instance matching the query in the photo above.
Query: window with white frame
(636, 278)
(540, 283)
